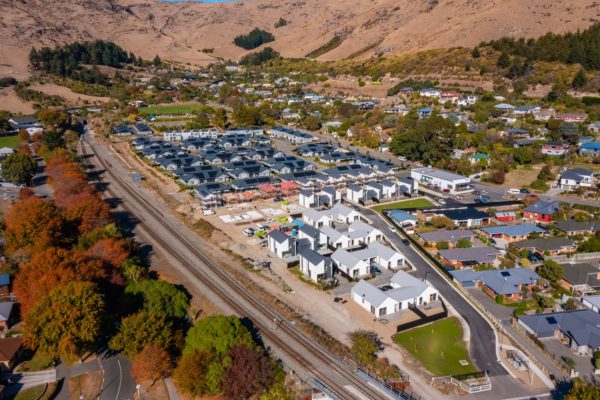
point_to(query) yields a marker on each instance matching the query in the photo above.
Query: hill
(327, 29)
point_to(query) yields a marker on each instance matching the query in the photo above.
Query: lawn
(412, 203)
(39, 362)
(174, 109)
(438, 346)
(9, 141)
(34, 393)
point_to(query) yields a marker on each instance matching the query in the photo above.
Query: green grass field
(9, 141)
(438, 346)
(412, 203)
(170, 109)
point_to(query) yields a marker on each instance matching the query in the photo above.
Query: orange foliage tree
(34, 223)
(151, 364)
(111, 251)
(87, 211)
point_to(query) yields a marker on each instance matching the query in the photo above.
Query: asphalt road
(483, 340)
(118, 384)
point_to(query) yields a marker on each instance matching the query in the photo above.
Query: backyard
(176, 109)
(439, 347)
(404, 204)
(9, 141)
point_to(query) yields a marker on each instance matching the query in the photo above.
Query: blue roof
(581, 325)
(400, 215)
(513, 230)
(517, 131)
(590, 146)
(503, 281)
(426, 109)
(4, 280)
(543, 207)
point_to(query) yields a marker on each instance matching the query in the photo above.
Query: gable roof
(545, 244)
(464, 214)
(504, 281)
(9, 347)
(576, 174)
(576, 226)
(451, 236)
(581, 274)
(480, 255)
(583, 326)
(543, 207)
(5, 310)
(513, 230)
(312, 256)
(278, 236)
(372, 294)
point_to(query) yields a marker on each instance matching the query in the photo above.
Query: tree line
(581, 47)
(67, 61)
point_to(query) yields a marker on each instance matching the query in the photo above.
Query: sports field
(175, 109)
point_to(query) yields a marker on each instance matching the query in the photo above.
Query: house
(282, 245)
(591, 302)
(555, 148)
(362, 233)
(452, 237)
(589, 149)
(594, 127)
(355, 193)
(4, 284)
(6, 315)
(405, 220)
(10, 351)
(405, 291)
(526, 110)
(317, 239)
(547, 246)
(449, 96)
(579, 328)
(315, 266)
(25, 122)
(425, 112)
(469, 257)
(479, 158)
(406, 185)
(441, 180)
(349, 264)
(580, 277)
(572, 227)
(291, 135)
(508, 283)
(517, 133)
(571, 117)
(335, 238)
(464, 217)
(512, 233)
(509, 216)
(504, 108)
(542, 211)
(430, 92)
(572, 179)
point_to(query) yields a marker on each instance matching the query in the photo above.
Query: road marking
(120, 380)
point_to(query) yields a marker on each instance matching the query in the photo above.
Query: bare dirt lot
(9, 101)
(66, 93)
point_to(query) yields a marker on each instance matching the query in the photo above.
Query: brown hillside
(179, 30)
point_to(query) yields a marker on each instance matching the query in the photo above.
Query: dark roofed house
(470, 257)
(450, 236)
(508, 283)
(513, 233)
(581, 328)
(572, 227)
(23, 122)
(581, 277)
(466, 217)
(542, 211)
(10, 349)
(547, 246)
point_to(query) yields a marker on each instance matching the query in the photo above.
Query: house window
(372, 310)
(383, 311)
(432, 297)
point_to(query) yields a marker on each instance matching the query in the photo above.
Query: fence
(391, 391)
(575, 257)
(475, 383)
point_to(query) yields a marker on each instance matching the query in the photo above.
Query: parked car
(524, 191)
(442, 201)
(249, 232)
(277, 199)
(208, 211)
(406, 242)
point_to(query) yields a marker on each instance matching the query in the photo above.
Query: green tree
(503, 60)
(133, 270)
(544, 302)
(545, 173)
(551, 270)
(442, 245)
(591, 245)
(364, 347)
(441, 222)
(523, 155)
(140, 329)
(464, 243)
(199, 373)
(312, 123)
(583, 391)
(18, 168)
(217, 335)
(475, 53)
(161, 297)
(580, 79)
(67, 322)
(571, 304)
(157, 61)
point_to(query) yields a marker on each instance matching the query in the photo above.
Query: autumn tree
(250, 373)
(582, 390)
(365, 346)
(113, 252)
(138, 330)
(18, 168)
(67, 322)
(218, 334)
(152, 364)
(34, 223)
(441, 222)
(161, 297)
(87, 211)
(66, 178)
(48, 269)
(199, 373)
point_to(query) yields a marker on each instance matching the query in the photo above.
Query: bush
(253, 39)
(499, 299)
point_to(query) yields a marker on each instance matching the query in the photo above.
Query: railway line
(336, 377)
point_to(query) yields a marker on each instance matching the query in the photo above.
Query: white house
(314, 265)
(354, 193)
(350, 264)
(591, 302)
(362, 233)
(572, 179)
(430, 92)
(282, 245)
(307, 198)
(386, 257)
(442, 180)
(331, 194)
(338, 213)
(406, 291)
(317, 239)
(336, 239)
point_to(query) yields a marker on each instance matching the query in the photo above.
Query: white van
(513, 192)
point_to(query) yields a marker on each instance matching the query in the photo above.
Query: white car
(208, 211)
(442, 201)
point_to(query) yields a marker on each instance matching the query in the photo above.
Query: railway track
(253, 306)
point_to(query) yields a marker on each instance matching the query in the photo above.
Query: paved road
(118, 384)
(483, 339)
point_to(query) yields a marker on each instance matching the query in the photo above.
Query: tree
(442, 245)
(253, 39)
(111, 251)
(551, 270)
(18, 168)
(475, 53)
(54, 119)
(157, 61)
(312, 123)
(583, 391)
(545, 302)
(161, 297)
(365, 346)
(141, 329)
(34, 223)
(220, 117)
(464, 243)
(523, 155)
(217, 335)
(545, 173)
(152, 364)
(133, 270)
(591, 245)
(249, 374)
(49, 268)
(199, 373)
(503, 61)
(498, 177)
(87, 211)
(580, 79)
(67, 322)
(571, 304)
